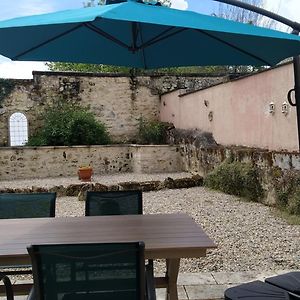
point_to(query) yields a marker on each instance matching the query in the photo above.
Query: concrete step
(206, 286)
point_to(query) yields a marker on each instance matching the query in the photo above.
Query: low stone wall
(149, 159)
(79, 189)
(43, 162)
(274, 167)
(204, 160)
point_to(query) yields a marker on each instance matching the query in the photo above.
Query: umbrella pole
(296, 60)
(297, 91)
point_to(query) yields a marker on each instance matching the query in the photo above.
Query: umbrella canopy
(138, 35)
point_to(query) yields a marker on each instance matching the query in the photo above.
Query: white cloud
(290, 9)
(179, 4)
(24, 8)
(286, 8)
(20, 70)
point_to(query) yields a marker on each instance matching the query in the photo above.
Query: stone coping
(89, 146)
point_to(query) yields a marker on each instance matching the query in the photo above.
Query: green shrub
(68, 124)
(293, 203)
(152, 132)
(288, 192)
(235, 178)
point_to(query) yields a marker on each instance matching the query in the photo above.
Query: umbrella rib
(135, 31)
(143, 50)
(234, 47)
(161, 37)
(46, 42)
(107, 35)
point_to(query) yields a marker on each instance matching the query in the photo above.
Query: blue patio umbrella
(138, 35)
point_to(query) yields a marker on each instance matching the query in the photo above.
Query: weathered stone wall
(149, 159)
(43, 162)
(274, 167)
(118, 101)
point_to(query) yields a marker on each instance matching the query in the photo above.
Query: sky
(11, 9)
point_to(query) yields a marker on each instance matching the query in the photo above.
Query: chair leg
(150, 285)
(8, 286)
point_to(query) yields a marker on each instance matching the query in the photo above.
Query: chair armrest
(8, 287)
(150, 285)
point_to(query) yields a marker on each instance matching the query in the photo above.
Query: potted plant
(85, 173)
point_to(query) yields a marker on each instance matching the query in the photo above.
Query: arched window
(18, 129)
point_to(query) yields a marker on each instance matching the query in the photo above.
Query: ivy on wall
(6, 87)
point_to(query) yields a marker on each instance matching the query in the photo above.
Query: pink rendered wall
(239, 111)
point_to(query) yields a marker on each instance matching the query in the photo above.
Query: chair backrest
(89, 271)
(34, 205)
(114, 203)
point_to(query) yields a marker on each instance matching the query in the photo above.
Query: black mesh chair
(258, 290)
(90, 271)
(33, 205)
(114, 203)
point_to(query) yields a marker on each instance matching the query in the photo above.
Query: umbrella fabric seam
(45, 42)
(106, 35)
(143, 50)
(234, 47)
(157, 39)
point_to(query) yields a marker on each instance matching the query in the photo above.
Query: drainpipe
(296, 60)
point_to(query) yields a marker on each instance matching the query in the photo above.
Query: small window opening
(18, 129)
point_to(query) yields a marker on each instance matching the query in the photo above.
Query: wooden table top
(165, 236)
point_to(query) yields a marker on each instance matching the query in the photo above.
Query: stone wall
(167, 159)
(117, 100)
(43, 162)
(274, 167)
(251, 111)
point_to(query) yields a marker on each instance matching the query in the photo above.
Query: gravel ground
(248, 235)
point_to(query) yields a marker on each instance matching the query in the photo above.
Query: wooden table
(170, 237)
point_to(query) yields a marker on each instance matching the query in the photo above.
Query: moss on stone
(236, 178)
(6, 87)
(293, 203)
(287, 187)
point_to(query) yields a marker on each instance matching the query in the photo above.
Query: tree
(237, 14)
(93, 68)
(91, 3)
(241, 15)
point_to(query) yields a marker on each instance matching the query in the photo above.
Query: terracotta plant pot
(85, 173)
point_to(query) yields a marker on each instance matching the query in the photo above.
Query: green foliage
(92, 3)
(235, 178)
(288, 192)
(68, 124)
(152, 132)
(293, 203)
(92, 68)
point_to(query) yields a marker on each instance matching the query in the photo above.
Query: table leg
(172, 275)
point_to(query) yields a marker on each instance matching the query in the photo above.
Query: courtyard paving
(207, 286)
